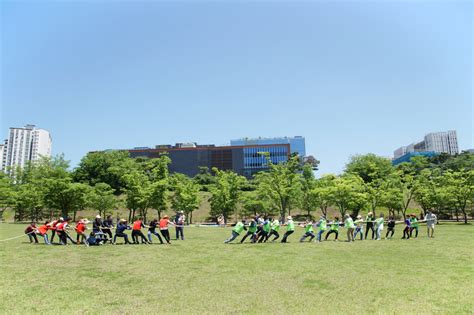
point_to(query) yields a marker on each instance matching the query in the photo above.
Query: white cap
(61, 219)
(97, 216)
(289, 217)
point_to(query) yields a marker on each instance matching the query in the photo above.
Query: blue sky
(351, 76)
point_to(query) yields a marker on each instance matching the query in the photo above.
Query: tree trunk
(191, 217)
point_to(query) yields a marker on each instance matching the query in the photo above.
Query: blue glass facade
(406, 157)
(255, 159)
(297, 144)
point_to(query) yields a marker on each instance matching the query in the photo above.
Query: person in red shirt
(31, 232)
(81, 228)
(137, 231)
(43, 232)
(164, 228)
(61, 229)
(52, 226)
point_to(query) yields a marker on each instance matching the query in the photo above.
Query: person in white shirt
(431, 221)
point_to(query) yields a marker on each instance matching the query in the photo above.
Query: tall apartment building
(297, 143)
(432, 144)
(24, 145)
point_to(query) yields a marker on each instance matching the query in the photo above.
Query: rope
(12, 238)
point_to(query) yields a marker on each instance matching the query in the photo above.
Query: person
(308, 229)
(179, 221)
(370, 224)
(164, 228)
(81, 228)
(97, 228)
(94, 240)
(107, 226)
(120, 231)
(379, 226)
(431, 220)
(290, 229)
(43, 232)
(390, 227)
(265, 230)
(31, 232)
(349, 225)
(63, 235)
(238, 228)
(137, 231)
(322, 224)
(359, 228)
(275, 227)
(251, 231)
(334, 228)
(152, 230)
(260, 221)
(406, 230)
(52, 226)
(221, 221)
(414, 225)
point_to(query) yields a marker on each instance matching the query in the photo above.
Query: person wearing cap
(164, 222)
(61, 229)
(323, 226)
(238, 228)
(179, 225)
(349, 225)
(309, 231)
(120, 231)
(275, 227)
(359, 228)
(81, 228)
(431, 220)
(290, 229)
(97, 228)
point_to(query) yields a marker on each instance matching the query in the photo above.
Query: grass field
(203, 275)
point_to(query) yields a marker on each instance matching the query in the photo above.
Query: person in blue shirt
(120, 231)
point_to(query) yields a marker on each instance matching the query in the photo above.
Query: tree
(204, 178)
(63, 195)
(6, 193)
(460, 189)
(225, 193)
(102, 198)
(105, 167)
(320, 195)
(374, 171)
(312, 161)
(29, 203)
(138, 193)
(347, 193)
(308, 183)
(186, 195)
(281, 185)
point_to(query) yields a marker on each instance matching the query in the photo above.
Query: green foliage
(225, 193)
(102, 198)
(348, 193)
(186, 195)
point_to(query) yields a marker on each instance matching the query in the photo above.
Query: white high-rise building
(437, 142)
(442, 142)
(25, 144)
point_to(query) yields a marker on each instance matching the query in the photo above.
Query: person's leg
(177, 232)
(53, 233)
(181, 231)
(303, 237)
(367, 231)
(149, 236)
(46, 239)
(349, 232)
(373, 231)
(245, 236)
(144, 240)
(285, 236)
(416, 232)
(311, 234)
(233, 237)
(276, 236)
(318, 238)
(337, 235)
(262, 236)
(159, 237)
(327, 234)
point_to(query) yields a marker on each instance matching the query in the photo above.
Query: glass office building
(297, 143)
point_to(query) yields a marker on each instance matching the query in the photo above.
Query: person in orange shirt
(43, 232)
(61, 229)
(164, 228)
(137, 231)
(81, 228)
(52, 226)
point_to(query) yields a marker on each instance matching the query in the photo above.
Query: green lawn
(203, 275)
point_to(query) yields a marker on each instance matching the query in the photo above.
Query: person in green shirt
(265, 230)
(252, 231)
(323, 226)
(414, 225)
(334, 228)
(238, 228)
(308, 229)
(290, 229)
(379, 226)
(350, 226)
(275, 227)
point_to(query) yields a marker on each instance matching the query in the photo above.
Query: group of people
(260, 229)
(101, 231)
